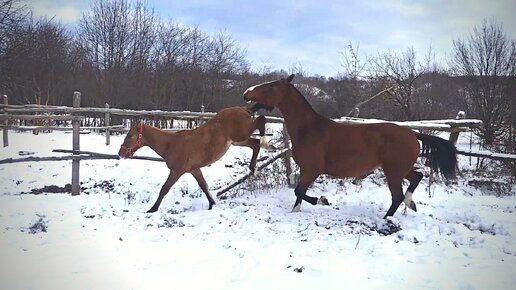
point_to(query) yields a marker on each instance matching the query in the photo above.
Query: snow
(460, 238)
(443, 125)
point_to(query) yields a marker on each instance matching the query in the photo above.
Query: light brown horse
(189, 150)
(323, 146)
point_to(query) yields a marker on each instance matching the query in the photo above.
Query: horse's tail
(441, 154)
(257, 106)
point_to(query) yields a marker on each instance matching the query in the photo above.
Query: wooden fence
(75, 115)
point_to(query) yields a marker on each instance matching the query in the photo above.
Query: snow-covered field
(460, 238)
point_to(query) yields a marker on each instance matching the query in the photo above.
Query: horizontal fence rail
(451, 125)
(70, 118)
(17, 109)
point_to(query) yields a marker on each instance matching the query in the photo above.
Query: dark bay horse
(189, 150)
(323, 146)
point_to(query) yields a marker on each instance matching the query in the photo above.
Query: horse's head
(270, 93)
(132, 142)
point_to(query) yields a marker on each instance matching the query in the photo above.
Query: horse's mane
(303, 98)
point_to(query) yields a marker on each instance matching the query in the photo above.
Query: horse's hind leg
(204, 186)
(394, 182)
(414, 177)
(253, 144)
(171, 179)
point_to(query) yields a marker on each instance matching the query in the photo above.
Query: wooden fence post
(106, 123)
(76, 124)
(287, 157)
(6, 122)
(201, 119)
(454, 135)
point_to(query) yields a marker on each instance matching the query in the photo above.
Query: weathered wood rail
(74, 115)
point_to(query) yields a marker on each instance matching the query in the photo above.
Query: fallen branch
(76, 155)
(58, 128)
(221, 194)
(487, 154)
(79, 152)
(107, 156)
(368, 100)
(54, 158)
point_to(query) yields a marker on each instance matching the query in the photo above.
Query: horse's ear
(290, 78)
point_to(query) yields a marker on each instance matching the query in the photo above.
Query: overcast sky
(280, 33)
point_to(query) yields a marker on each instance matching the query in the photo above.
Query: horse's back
(235, 123)
(209, 142)
(357, 149)
(233, 113)
(399, 148)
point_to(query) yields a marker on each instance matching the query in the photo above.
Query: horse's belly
(351, 168)
(217, 153)
(221, 152)
(208, 155)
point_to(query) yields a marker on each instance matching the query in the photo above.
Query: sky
(313, 34)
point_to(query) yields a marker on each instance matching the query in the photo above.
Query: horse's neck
(297, 112)
(156, 139)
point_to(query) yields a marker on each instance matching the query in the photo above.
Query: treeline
(120, 52)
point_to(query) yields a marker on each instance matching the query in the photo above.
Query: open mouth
(262, 106)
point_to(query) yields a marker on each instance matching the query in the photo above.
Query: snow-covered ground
(460, 238)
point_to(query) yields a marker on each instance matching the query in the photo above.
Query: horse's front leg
(204, 186)
(171, 179)
(305, 180)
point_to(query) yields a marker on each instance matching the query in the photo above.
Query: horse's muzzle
(125, 152)
(246, 97)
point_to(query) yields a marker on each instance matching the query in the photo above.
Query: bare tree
(12, 13)
(354, 67)
(486, 62)
(104, 31)
(225, 59)
(354, 78)
(11, 18)
(36, 65)
(401, 70)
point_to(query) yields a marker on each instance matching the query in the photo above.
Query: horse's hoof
(297, 208)
(412, 205)
(323, 201)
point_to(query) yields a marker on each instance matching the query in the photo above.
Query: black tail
(257, 106)
(440, 153)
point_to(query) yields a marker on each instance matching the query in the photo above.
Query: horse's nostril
(247, 98)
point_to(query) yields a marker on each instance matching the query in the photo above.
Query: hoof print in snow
(297, 269)
(388, 228)
(39, 226)
(369, 227)
(169, 222)
(52, 189)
